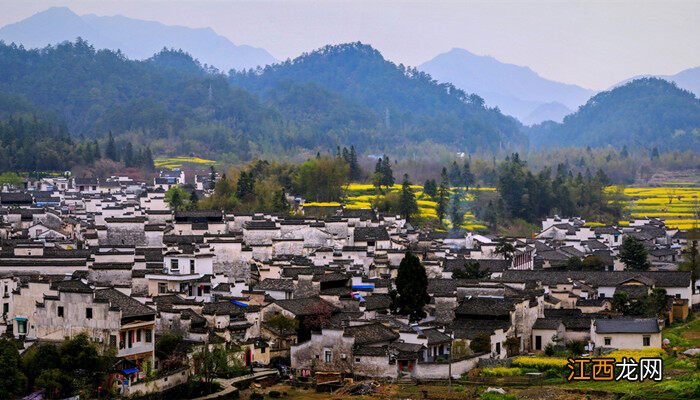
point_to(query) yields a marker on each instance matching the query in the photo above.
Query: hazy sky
(591, 43)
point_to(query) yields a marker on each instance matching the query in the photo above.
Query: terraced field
(678, 206)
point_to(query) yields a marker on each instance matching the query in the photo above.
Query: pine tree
(111, 150)
(212, 177)
(455, 175)
(281, 204)
(245, 186)
(148, 158)
(412, 288)
(128, 155)
(408, 206)
(355, 170)
(633, 254)
(96, 150)
(456, 213)
(467, 176)
(387, 173)
(443, 194)
(430, 188)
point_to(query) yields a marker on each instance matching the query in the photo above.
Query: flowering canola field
(177, 162)
(678, 206)
(360, 196)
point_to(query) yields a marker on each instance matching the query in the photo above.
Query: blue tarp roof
(130, 371)
(364, 286)
(239, 303)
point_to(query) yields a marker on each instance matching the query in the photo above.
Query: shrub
(541, 363)
(501, 371)
(549, 349)
(481, 343)
(576, 347)
(257, 396)
(274, 394)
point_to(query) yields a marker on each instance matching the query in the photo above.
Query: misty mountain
(137, 39)
(647, 113)
(336, 96)
(688, 79)
(516, 90)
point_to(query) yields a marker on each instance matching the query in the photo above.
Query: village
(311, 300)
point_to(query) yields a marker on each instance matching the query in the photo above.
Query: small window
(357, 359)
(22, 327)
(327, 356)
(262, 350)
(162, 287)
(5, 308)
(646, 341)
(138, 335)
(174, 265)
(112, 341)
(608, 341)
(88, 313)
(149, 337)
(60, 311)
(191, 266)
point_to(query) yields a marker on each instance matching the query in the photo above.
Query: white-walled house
(624, 333)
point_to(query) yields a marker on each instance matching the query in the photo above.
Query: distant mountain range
(688, 79)
(137, 39)
(645, 113)
(516, 90)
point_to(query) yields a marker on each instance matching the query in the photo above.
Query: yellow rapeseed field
(678, 206)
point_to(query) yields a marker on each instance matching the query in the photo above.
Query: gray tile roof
(638, 325)
(129, 306)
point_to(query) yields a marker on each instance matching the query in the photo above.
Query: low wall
(442, 370)
(157, 385)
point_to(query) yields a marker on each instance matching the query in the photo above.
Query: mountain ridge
(136, 38)
(516, 90)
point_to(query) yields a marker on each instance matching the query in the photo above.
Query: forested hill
(647, 113)
(404, 102)
(339, 95)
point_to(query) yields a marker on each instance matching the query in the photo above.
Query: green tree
(481, 343)
(574, 264)
(408, 206)
(505, 249)
(322, 179)
(621, 302)
(455, 175)
(10, 179)
(443, 194)
(245, 187)
(12, 380)
(212, 177)
(467, 176)
(593, 263)
(282, 323)
(633, 254)
(177, 198)
(691, 258)
(412, 288)
(111, 149)
(471, 270)
(430, 188)
(456, 212)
